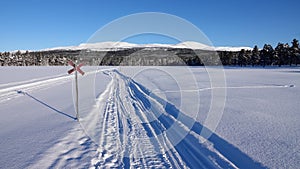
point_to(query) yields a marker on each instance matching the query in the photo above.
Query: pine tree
(294, 51)
(255, 56)
(267, 55)
(287, 55)
(283, 54)
(242, 57)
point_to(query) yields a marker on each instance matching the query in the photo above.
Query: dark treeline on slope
(282, 54)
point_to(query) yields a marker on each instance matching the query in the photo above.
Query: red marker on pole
(76, 68)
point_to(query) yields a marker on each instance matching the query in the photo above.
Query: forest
(282, 54)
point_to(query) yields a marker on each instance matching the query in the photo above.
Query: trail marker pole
(76, 69)
(76, 88)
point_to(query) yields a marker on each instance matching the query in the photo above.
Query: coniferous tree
(287, 56)
(280, 54)
(255, 56)
(271, 55)
(231, 58)
(283, 54)
(242, 57)
(267, 55)
(294, 50)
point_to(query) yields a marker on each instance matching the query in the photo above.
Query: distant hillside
(107, 46)
(127, 54)
(148, 56)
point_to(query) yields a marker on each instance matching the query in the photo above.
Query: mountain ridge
(104, 46)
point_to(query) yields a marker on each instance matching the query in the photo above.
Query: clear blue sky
(38, 24)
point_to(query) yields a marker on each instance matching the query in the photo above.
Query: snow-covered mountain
(103, 46)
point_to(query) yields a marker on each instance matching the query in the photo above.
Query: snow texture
(135, 121)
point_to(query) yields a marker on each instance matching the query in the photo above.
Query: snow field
(138, 121)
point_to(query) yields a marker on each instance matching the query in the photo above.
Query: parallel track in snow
(9, 91)
(133, 132)
(124, 142)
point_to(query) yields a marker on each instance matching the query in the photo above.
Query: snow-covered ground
(145, 117)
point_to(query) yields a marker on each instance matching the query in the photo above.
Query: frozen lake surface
(150, 117)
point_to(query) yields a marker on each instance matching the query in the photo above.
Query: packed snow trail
(121, 130)
(9, 91)
(136, 129)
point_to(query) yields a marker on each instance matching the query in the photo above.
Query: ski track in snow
(131, 132)
(124, 142)
(29, 81)
(127, 128)
(9, 91)
(228, 87)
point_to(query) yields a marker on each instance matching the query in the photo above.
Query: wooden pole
(76, 88)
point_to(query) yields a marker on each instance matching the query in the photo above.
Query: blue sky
(39, 24)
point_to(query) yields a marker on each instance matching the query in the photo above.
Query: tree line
(282, 54)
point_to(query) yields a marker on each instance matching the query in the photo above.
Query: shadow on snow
(45, 104)
(192, 152)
